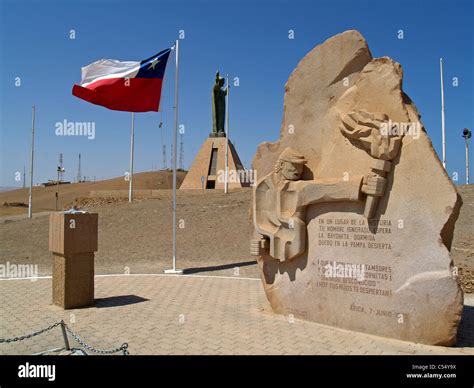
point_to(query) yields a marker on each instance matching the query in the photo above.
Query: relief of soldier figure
(281, 199)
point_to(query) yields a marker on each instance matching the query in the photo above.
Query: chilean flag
(126, 86)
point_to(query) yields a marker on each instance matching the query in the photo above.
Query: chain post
(65, 330)
(66, 341)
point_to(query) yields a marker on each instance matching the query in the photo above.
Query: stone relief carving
(408, 270)
(373, 133)
(281, 198)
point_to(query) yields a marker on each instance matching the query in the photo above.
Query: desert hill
(44, 197)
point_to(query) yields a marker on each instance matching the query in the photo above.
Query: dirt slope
(44, 197)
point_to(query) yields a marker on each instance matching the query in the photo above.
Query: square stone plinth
(73, 280)
(73, 233)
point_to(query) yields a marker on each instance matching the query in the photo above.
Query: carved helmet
(292, 156)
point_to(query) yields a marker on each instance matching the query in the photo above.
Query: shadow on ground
(466, 328)
(115, 301)
(189, 271)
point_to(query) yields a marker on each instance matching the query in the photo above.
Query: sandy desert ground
(44, 197)
(138, 236)
(214, 239)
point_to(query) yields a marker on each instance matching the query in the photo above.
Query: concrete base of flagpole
(173, 271)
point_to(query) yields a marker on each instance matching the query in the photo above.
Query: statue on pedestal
(218, 107)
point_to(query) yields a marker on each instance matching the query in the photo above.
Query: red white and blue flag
(127, 86)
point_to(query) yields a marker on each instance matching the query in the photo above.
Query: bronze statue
(218, 107)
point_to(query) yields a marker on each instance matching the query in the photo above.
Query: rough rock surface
(409, 291)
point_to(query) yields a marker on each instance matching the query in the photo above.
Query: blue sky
(246, 39)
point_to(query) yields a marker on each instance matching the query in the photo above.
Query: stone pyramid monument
(208, 168)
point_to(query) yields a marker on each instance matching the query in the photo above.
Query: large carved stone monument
(353, 212)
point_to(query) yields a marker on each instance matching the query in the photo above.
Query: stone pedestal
(208, 168)
(73, 239)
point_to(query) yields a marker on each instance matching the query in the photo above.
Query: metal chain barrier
(123, 348)
(64, 327)
(28, 336)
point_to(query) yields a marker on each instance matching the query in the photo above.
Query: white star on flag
(154, 62)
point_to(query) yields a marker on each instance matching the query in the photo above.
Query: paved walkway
(158, 314)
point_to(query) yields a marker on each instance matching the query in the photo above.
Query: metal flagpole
(466, 134)
(175, 140)
(130, 176)
(30, 196)
(467, 163)
(442, 112)
(226, 182)
(57, 188)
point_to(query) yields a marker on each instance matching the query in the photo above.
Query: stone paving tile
(188, 315)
